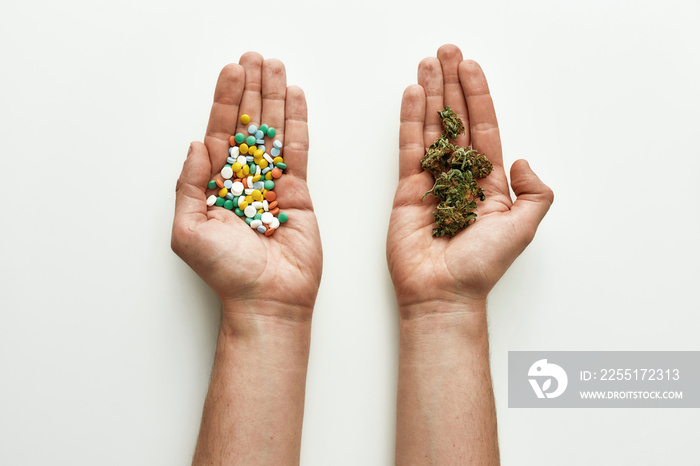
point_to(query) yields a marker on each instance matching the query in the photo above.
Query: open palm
(241, 265)
(425, 269)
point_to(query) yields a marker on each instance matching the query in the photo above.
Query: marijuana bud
(451, 123)
(455, 170)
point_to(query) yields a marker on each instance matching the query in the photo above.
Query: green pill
(264, 128)
(212, 184)
(283, 217)
(239, 212)
(281, 165)
(228, 204)
(257, 217)
(220, 201)
(271, 132)
(251, 140)
(269, 184)
(248, 220)
(239, 138)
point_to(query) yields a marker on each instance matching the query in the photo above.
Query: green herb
(455, 170)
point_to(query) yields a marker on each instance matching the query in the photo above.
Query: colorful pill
(219, 201)
(211, 184)
(252, 129)
(219, 183)
(245, 119)
(275, 152)
(239, 138)
(283, 217)
(271, 132)
(277, 144)
(250, 140)
(276, 172)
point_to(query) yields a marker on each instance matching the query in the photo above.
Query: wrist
(254, 319)
(435, 320)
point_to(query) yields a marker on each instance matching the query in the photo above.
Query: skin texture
(445, 407)
(267, 285)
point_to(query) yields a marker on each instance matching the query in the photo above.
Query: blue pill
(265, 170)
(259, 185)
(229, 196)
(259, 142)
(259, 134)
(262, 229)
(261, 147)
(231, 160)
(249, 158)
(252, 129)
(228, 184)
(275, 152)
(277, 144)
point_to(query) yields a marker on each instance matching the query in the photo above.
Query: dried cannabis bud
(451, 123)
(455, 170)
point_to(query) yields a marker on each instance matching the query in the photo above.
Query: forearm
(254, 408)
(445, 406)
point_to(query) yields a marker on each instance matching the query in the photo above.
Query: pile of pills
(248, 179)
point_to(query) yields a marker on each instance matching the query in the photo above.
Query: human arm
(267, 285)
(445, 407)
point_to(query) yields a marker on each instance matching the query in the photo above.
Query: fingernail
(189, 151)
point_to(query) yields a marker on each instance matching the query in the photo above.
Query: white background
(107, 338)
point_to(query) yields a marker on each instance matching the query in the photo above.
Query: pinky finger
(296, 133)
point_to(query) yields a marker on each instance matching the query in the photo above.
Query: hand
(250, 272)
(462, 269)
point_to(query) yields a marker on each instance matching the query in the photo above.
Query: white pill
(250, 180)
(257, 204)
(237, 188)
(275, 223)
(250, 211)
(257, 169)
(241, 200)
(267, 217)
(267, 157)
(249, 191)
(266, 206)
(211, 200)
(227, 173)
(234, 151)
(255, 224)
(277, 144)
(242, 160)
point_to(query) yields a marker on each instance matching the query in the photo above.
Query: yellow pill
(256, 178)
(261, 211)
(236, 167)
(245, 119)
(249, 199)
(258, 153)
(223, 192)
(268, 175)
(278, 160)
(257, 195)
(240, 174)
(263, 164)
(243, 148)
(246, 170)
(243, 205)
(251, 150)
(264, 192)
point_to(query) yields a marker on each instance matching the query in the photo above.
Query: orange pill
(232, 141)
(276, 172)
(269, 232)
(272, 205)
(245, 182)
(270, 196)
(220, 183)
(275, 211)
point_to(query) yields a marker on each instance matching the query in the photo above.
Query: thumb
(533, 197)
(190, 194)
